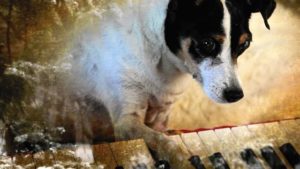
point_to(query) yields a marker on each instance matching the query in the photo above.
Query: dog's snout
(233, 94)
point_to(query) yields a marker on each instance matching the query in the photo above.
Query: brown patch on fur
(219, 38)
(243, 38)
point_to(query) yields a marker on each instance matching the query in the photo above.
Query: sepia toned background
(40, 32)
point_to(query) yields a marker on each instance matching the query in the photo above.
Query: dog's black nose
(233, 94)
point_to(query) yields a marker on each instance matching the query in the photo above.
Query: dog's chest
(158, 110)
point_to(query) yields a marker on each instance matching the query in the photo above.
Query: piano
(273, 145)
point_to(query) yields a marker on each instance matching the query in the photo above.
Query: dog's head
(208, 36)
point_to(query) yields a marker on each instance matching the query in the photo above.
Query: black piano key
(272, 158)
(196, 162)
(291, 155)
(251, 159)
(162, 164)
(119, 167)
(159, 164)
(218, 161)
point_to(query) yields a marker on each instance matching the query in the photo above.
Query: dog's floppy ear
(265, 7)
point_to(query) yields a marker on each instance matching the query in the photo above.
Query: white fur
(122, 53)
(123, 62)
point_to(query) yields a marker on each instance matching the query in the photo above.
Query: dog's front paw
(175, 155)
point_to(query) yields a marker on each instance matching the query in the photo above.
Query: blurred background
(39, 31)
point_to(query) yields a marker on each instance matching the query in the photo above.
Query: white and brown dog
(139, 58)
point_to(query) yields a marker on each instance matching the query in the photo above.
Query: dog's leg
(131, 126)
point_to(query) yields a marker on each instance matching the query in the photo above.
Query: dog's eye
(243, 47)
(246, 44)
(206, 46)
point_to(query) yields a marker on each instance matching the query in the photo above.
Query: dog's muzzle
(233, 94)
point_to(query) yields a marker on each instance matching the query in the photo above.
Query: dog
(137, 61)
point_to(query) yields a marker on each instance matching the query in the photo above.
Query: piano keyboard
(261, 146)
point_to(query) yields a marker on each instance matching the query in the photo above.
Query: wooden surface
(130, 154)
(104, 156)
